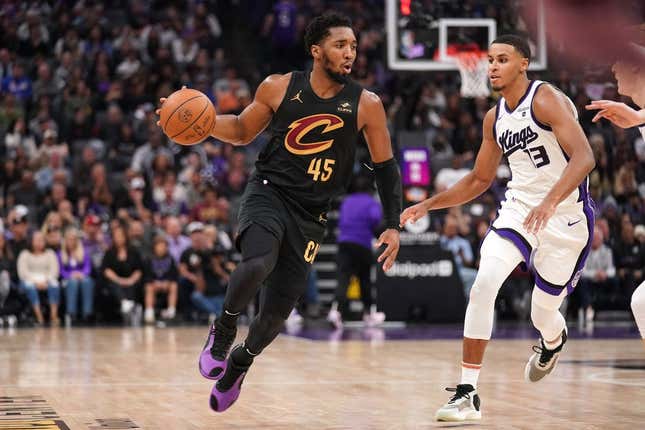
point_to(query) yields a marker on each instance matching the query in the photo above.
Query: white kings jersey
(534, 155)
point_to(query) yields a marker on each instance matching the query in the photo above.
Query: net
(473, 68)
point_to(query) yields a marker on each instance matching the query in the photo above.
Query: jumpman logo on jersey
(297, 97)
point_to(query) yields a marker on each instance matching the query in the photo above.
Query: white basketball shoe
(543, 361)
(463, 405)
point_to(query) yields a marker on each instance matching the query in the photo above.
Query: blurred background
(86, 174)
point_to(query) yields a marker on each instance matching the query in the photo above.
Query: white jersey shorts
(556, 254)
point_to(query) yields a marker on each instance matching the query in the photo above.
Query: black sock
(241, 356)
(228, 319)
(241, 360)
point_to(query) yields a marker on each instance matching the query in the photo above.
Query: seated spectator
(170, 205)
(461, 250)
(208, 210)
(123, 270)
(25, 192)
(95, 242)
(177, 242)
(18, 84)
(598, 276)
(196, 270)
(10, 304)
(51, 146)
(629, 256)
(75, 270)
(161, 277)
(37, 271)
(17, 236)
(52, 229)
(20, 137)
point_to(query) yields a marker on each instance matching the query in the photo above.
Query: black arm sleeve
(388, 181)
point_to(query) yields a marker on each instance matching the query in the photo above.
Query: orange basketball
(187, 116)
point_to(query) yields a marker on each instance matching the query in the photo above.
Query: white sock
(554, 344)
(470, 373)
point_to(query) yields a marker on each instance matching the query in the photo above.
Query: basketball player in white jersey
(630, 76)
(546, 220)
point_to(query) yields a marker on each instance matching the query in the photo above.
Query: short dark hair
(319, 27)
(518, 42)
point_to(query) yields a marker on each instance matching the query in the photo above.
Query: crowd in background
(101, 213)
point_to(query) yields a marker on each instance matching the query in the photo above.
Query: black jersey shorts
(300, 234)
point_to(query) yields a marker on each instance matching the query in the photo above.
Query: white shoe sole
(527, 369)
(459, 416)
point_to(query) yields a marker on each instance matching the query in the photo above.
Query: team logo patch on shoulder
(345, 107)
(294, 139)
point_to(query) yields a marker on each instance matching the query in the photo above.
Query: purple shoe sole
(221, 401)
(209, 367)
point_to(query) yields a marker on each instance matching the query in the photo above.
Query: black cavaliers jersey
(310, 155)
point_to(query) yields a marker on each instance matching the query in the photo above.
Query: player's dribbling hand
(413, 213)
(161, 101)
(390, 237)
(537, 219)
(618, 113)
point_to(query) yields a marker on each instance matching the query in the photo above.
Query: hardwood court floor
(148, 378)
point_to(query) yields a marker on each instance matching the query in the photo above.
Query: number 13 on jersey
(319, 174)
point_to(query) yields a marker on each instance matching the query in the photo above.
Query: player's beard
(334, 76)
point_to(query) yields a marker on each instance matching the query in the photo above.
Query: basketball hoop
(473, 68)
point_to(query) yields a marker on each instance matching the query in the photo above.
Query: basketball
(187, 116)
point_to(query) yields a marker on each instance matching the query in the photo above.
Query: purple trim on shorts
(518, 240)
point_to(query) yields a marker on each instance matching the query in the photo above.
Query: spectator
(360, 215)
(461, 250)
(46, 85)
(95, 243)
(25, 192)
(52, 229)
(123, 270)
(20, 139)
(598, 277)
(161, 277)
(18, 230)
(10, 304)
(18, 84)
(144, 156)
(208, 210)
(75, 271)
(177, 242)
(38, 271)
(51, 147)
(630, 259)
(198, 282)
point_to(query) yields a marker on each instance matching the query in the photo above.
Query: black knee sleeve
(260, 250)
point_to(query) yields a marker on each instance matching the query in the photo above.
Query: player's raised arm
(471, 185)
(371, 119)
(618, 113)
(243, 128)
(551, 108)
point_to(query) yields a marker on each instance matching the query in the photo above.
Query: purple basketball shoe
(226, 391)
(212, 360)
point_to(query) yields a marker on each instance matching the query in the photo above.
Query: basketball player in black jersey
(315, 119)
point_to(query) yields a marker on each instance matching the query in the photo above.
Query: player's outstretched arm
(551, 108)
(471, 185)
(243, 128)
(618, 113)
(371, 119)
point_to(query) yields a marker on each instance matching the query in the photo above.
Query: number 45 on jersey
(319, 174)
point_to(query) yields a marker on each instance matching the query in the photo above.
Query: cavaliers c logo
(299, 129)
